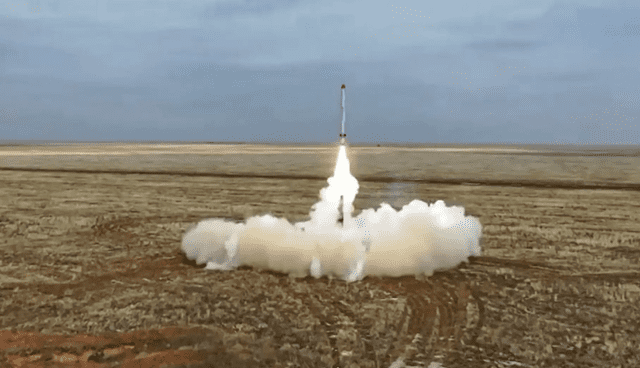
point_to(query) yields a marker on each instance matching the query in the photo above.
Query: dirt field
(91, 274)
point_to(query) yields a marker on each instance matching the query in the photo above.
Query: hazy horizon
(325, 144)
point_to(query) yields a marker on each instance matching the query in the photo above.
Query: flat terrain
(91, 273)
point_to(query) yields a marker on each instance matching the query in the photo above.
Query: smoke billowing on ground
(418, 239)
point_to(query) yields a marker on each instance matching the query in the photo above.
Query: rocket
(343, 135)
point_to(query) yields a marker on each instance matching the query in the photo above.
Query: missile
(343, 135)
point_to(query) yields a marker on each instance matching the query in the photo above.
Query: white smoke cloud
(418, 239)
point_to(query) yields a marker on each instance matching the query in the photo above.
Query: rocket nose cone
(343, 87)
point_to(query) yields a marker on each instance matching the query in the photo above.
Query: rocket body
(343, 135)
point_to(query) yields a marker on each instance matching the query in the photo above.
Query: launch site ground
(91, 272)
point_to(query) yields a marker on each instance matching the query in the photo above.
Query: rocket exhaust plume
(418, 239)
(343, 135)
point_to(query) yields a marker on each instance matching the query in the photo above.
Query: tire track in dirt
(503, 296)
(442, 312)
(432, 321)
(146, 348)
(555, 271)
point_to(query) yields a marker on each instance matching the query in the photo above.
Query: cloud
(8, 116)
(572, 76)
(629, 29)
(505, 45)
(251, 7)
(8, 54)
(23, 59)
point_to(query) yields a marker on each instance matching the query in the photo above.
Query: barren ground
(91, 273)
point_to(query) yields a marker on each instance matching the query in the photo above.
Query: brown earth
(91, 274)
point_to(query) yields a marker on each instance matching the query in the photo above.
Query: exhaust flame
(342, 185)
(418, 239)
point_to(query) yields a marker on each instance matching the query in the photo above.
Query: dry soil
(91, 274)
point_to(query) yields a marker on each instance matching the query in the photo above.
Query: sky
(270, 71)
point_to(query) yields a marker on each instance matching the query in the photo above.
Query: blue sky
(456, 71)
